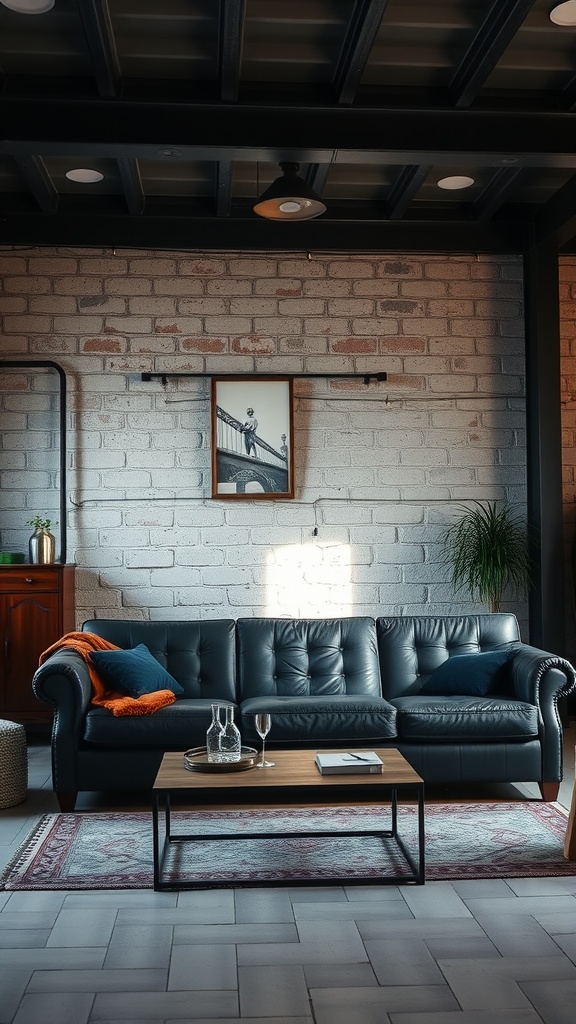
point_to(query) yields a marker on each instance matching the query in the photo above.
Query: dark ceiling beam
(317, 176)
(39, 182)
(500, 26)
(95, 18)
(132, 185)
(404, 189)
(555, 221)
(498, 191)
(568, 95)
(359, 40)
(230, 40)
(272, 134)
(252, 233)
(223, 188)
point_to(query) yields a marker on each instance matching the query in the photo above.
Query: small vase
(41, 547)
(214, 736)
(230, 742)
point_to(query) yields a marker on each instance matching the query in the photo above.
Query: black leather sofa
(354, 681)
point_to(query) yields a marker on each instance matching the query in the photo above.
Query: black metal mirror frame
(50, 365)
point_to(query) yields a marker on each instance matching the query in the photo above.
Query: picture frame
(252, 438)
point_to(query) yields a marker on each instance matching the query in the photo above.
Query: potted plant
(487, 550)
(42, 543)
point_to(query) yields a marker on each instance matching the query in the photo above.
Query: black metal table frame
(164, 838)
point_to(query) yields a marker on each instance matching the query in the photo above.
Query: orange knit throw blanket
(117, 703)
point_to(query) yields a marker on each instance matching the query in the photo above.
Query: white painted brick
(190, 596)
(97, 557)
(175, 576)
(224, 537)
(353, 269)
(231, 286)
(29, 481)
(374, 325)
(275, 537)
(125, 440)
(147, 597)
(124, 538)
(274, 325)
(193, 556)
(255, 267)
(378, 288)
(52, 265)
(204, 267)
(430, 451)
(301, 268)
(151, 558)
(257, 557)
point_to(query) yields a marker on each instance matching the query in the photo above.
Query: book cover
(361, 762)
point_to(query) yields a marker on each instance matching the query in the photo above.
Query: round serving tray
(196, 760)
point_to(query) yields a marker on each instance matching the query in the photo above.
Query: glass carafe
(214, 736)
(230, 742)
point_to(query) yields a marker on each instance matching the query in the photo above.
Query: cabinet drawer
(29, 577)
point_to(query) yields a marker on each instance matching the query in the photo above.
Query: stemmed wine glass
(263, 725)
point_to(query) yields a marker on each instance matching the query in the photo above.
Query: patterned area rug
(114, 851)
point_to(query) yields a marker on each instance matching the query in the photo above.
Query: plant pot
(42, 545)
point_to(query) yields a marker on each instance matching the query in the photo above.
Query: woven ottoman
(13, 764)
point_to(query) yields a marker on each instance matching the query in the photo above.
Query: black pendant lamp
(289, 198)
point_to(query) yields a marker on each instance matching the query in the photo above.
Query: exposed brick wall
(379, 469)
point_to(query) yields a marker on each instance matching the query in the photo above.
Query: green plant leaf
(487, 551)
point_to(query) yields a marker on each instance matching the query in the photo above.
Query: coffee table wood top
(291, 768)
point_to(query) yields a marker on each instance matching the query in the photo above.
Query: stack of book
(361, 762)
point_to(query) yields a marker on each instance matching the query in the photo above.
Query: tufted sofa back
(200, 655)
(307, 657)
(411, 647)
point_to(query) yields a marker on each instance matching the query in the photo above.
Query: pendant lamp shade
(289, 198)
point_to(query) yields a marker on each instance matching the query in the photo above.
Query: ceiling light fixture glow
(85, 175)
(28, 6)
(289, 198)
(455, 181)
(564, 13)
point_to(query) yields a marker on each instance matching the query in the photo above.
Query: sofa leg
(549, 791)
(66, 801)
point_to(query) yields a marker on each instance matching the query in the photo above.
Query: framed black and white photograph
(252, 437)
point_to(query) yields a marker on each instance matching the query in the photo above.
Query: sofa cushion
(310, 720)
(413, 646)
(308, 657)
(474, 675)
(464, 719)
(199, 654)
(177, 727)
(134, 672)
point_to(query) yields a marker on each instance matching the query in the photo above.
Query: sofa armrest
(63, 682)
(541, 678)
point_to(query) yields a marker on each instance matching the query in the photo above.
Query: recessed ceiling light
(564, 14)
(28, 6)
(84, 175)
(455, 181)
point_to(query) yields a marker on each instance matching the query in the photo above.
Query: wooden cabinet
(36, 609)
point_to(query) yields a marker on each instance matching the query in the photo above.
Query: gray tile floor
(446, 953)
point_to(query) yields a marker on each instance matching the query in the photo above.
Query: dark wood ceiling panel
(188, 107)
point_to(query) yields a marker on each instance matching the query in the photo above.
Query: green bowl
(12, 558)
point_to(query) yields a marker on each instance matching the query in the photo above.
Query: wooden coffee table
(295, 779)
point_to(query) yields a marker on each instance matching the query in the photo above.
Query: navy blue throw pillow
(135, 671)
(467, 675)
